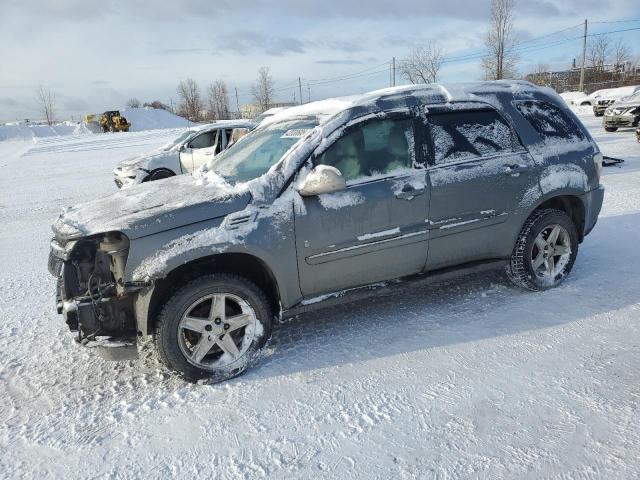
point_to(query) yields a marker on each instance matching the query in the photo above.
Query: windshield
(258, 151)
(178, 140)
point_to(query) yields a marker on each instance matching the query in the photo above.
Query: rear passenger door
(478, 171)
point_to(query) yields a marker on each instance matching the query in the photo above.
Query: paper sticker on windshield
(296, 133)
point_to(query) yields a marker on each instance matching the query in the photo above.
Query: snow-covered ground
(472, 378)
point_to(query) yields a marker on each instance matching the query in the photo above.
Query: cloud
(340, 62)
(247, 42)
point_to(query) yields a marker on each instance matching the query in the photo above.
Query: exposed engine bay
(90, 290)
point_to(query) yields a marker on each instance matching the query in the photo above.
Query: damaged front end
(91, 293)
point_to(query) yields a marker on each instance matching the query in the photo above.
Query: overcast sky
(96, 55)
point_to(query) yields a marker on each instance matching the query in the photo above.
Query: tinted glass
(467, 134)
(549, 120)
(379, 146)
(204, 141)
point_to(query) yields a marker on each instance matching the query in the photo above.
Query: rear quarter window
(549, 121)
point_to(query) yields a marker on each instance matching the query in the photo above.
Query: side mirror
(182, 148)
(322, 179)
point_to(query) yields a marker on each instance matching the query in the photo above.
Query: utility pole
(300, 87)
(309, 90)
(237, 102)
(584, 54)
(394, 71)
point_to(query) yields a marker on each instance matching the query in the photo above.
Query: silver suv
(326, 197)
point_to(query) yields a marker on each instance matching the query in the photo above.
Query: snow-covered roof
(428, 94)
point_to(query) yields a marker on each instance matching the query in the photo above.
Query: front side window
(205, 140)
(376, 147)
(469, 134)
(548, 120)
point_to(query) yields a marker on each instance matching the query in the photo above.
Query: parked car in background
(609, 96)
(574, 98)
(186, 153)
(327, 197)
(623, 113)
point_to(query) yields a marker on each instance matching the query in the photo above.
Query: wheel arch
(246, 265)
(569, 202)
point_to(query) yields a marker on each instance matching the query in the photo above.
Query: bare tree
(262, 90)
(190, 105)
(219, 101)
(157, 104)
(423, 63)
(539, 75)
(46, 103)
(621, 55)
(501, 60)
(598, 52)
(133, 103)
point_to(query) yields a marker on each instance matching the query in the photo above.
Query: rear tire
(539, 261)
(610, 129)
(214, 327)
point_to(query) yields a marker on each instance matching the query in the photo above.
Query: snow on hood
(143, 160)
(153, 207)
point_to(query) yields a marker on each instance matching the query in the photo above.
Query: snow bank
(148, 118)
(22, 131)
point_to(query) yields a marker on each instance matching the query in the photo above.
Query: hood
(624, 103)
(142, 161)
(152, 207)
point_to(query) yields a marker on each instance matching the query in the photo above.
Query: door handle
(208, 153)
(514, 169)
(410, 194)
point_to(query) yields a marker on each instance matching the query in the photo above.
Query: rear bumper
(592, 202)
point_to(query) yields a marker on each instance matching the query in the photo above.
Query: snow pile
(28, 131)
(148, 118)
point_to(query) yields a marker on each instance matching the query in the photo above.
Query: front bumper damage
(94, 302)
(124, 178)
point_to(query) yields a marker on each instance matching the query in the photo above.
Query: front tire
(214, 327)
(545, 251)
(610, 129)
(158, 175)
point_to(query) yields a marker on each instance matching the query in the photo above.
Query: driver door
(375, 229)
(199, 150)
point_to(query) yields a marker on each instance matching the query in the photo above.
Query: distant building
(252, 110)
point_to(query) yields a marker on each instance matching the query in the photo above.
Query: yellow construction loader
(110, 121)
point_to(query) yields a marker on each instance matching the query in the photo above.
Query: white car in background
(610, 95)
(268, 113)
(186, 153)
(574, 98)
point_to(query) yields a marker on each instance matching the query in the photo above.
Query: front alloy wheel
(216, 330)
(214, 326)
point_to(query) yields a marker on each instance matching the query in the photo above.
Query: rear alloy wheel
(545, 250)
(213, 327)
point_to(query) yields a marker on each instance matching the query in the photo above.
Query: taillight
(597, 160)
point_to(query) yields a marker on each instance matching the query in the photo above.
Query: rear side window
(548, 120)
(467, 134)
